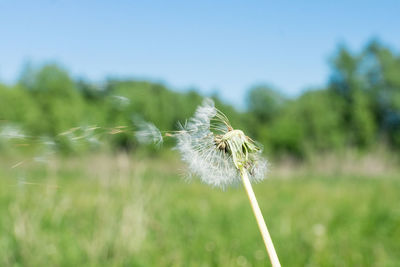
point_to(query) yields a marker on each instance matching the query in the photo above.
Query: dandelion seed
(92, 128)
(147, 132)
(121, 101)
(94, 141)
(78, 137)
(17, 164)
(11, 132)
(48, 149)
(21, 183)
(46, 141)
(70, 131)
(41, 159)
(115, 131)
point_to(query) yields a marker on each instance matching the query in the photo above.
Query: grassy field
(127, 211)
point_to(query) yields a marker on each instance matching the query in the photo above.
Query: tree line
(359, 107)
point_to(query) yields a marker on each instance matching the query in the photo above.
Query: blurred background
(316, 83)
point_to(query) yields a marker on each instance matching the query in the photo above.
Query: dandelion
(215, 151)
(221, 155)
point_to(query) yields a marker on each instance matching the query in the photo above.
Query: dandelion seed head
(215, 152)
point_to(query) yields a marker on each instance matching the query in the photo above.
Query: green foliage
(369, 84)
(362, 125)
(284, 135)
(320, 111)
(18, 107)
(312, 122)
(359, 106)
(381, 69)
(55, 94)
(347, 83)
(264, 102)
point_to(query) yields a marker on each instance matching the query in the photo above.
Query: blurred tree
(285, 134)
(321, 113)
(90, 91)
(56, 95)
(264, 102)
(312, 122)
(381, 71)
(27, 76)
(347, 82)
(18, 107)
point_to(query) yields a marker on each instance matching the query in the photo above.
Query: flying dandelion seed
(94, 141)
(11, 132)
(47, 149)
(44, 159)
(70, 131)
(47, 142)
(17, 164)
(147, 132)
(121, 101)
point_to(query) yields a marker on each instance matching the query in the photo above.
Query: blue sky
(214, 46)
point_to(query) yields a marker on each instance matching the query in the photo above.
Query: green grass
(119, 211)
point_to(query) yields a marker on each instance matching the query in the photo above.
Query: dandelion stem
(260, 219)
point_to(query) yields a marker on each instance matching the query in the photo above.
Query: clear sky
(215, 46)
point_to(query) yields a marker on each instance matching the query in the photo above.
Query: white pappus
(147, 132)
(215, 151)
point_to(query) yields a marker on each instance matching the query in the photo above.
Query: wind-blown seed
(147, 132)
